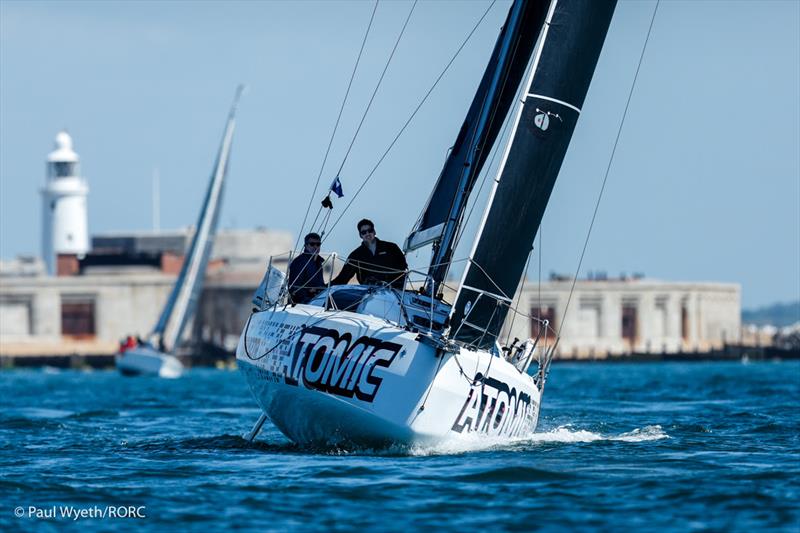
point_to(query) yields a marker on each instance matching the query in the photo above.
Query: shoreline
(217, 358)
(727, 354)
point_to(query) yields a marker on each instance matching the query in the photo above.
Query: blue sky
(705, 184)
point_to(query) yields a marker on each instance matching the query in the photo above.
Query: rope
(336, 126)
(430, 387)
(413, 114)
(608, 169)
(380, 80)
(313, 224)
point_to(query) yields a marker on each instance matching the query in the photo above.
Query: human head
(366, 230)
(312, 242)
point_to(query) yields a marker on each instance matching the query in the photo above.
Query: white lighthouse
(64, 216)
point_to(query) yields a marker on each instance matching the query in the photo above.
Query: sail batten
(563, 65)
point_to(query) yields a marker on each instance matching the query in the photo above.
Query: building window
(543, 313)
(590, 319)
(63, 169)
(78, 317)
(660, 322)
(629, 324)
(16, 316)
(684, 322)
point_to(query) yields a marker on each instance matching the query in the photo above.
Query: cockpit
(404, 308)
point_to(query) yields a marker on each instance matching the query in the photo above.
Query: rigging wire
(413, 114)
(608, 169)
(539, 298)
(380, 80)
(336, 126)
(539, 290)
(519, 296)
(487, 171)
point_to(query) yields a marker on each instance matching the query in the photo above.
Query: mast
(562, 70)
(185, 294)
(440, 221)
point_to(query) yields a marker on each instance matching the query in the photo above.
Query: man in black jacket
(374, 262)
(305, 272)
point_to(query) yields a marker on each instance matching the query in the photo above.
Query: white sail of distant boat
(374, 364)
(156, 355)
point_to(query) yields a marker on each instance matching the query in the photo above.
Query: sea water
(654, 446)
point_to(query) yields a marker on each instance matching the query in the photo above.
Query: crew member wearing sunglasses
(305, 272)
(374, 262)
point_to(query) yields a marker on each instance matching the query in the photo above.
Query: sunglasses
(313, 243)
(365, 231)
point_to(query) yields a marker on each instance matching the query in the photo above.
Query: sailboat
(373, 365)
(155, 356)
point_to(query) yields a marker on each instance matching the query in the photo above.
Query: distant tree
(778, 315)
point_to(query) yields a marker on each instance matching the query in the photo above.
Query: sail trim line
(550, 99)
(335, 127)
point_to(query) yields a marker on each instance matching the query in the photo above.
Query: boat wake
(470, 443)
(568, 434)
(560, 435)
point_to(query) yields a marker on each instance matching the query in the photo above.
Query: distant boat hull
(147, 361)
(331, 377)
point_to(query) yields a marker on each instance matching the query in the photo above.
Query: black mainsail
(495, 96)
(563, 65)
(185, 294)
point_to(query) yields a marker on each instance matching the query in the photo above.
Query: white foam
(472, 442)
(641, 435)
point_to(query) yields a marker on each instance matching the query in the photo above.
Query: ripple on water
(612, 453)
(517, 474)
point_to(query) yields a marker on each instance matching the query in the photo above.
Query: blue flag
(336, 187)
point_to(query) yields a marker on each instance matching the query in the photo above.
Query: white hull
(327, 377)
(146, 361)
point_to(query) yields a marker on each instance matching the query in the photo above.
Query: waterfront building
(116, 290)
(609, 317)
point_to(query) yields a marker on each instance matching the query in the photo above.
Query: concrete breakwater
(77, 356)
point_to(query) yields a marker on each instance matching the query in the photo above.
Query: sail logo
(325, 360)
(541, 121)
(495, 408)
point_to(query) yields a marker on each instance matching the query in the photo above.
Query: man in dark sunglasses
(305, 271)
(374, 262)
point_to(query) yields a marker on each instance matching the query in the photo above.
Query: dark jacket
(388, 265)
(305, 277)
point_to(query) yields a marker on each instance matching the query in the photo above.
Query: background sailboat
(155, 357)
